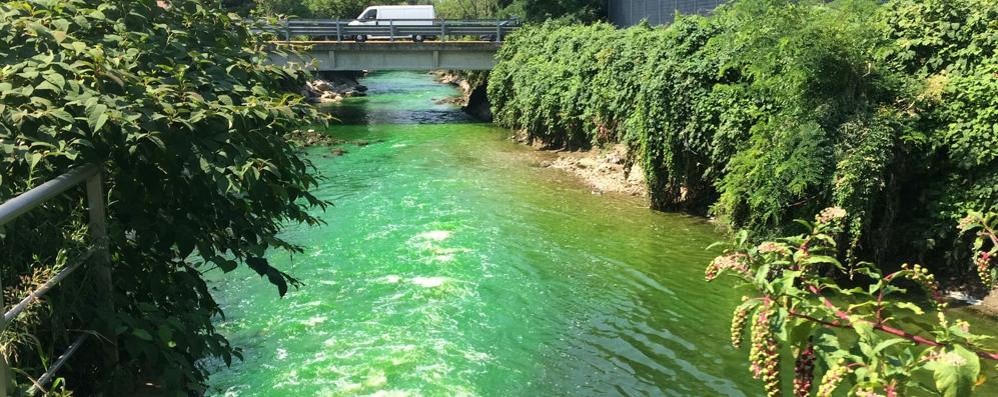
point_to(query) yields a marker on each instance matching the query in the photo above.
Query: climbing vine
(767, 111)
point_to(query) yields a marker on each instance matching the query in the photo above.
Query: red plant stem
(877, 326)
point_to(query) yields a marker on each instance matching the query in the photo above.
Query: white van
(395, 15)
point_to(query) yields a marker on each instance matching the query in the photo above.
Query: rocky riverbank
(604, 170)
(332, 87)
(474, 98)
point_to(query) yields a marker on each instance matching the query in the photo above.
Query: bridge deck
(397, 55)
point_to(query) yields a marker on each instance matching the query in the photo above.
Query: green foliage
(325, 9)
(770, 110)
(868, 335)
(985, 245)
(580, 11)
(188, 120)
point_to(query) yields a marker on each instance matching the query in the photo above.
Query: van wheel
(360, 38)
(418, 38)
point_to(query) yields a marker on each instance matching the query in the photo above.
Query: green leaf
(56, 79)
(910, 306)
(955, 371)
(142, 334)
(97, 117)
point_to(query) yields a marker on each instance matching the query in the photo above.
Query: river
(452, 264)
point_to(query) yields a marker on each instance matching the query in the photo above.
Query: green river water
(452, 264)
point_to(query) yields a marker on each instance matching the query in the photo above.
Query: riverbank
(333, 87)
(474, 99)
(604, 170)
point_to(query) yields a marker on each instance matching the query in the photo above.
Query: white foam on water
(429, 282)
(376, 379)
(477, 356)
(451, 251)
(444, 258)
(398, 145)
(391, 393)
(390, 279)
(434, 235)
(315, 320)
(282, 353)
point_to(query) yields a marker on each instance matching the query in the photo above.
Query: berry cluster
(927, 281)
(731, 261)
(868, 393)
(983, 263)
(804, 372)
(738, 321)
(832, 380)
(764, 354)
(831, 214)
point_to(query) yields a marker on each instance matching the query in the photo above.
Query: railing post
(339, 34)
(287, 31)
(6, 386)
(102, 264)
(443, 30)
(391, 29)
(498, 31)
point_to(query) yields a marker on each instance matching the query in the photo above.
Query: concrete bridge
(383, 55)
(405, 44)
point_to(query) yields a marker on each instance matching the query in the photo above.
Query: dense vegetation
(188, 121)
(771, 110)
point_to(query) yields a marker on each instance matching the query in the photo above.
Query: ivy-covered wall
(768, 111)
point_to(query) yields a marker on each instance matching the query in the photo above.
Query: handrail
(98, 253)
(37, 294)
(48, 375)
(33, 198)
(418, 29)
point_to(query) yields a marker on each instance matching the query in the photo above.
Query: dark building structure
(630, 12)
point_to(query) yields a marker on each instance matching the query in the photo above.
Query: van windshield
(370, 14)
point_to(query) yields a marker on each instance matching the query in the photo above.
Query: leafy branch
(871, 333)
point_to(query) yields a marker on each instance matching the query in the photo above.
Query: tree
(182, 110)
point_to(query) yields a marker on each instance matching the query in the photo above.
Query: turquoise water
(452, 264)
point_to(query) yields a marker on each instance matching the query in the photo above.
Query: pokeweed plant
(870, 334)
(985, 246)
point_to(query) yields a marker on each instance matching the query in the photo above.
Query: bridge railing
(393, 29)
(98, 255)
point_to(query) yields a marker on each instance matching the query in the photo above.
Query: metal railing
(414, 29)
(98, 254)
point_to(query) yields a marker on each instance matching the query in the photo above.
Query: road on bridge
(393, 29)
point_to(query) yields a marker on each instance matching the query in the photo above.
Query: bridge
(404, 44)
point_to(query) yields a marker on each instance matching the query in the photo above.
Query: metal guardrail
(392, 29)
(98, 253)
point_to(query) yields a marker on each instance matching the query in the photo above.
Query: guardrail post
(6, 388)
(391, 30)
(498, 31)
(102, 264)
(287, 31)
(339, 33)
(443, 30)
